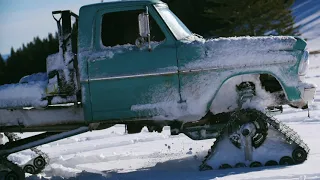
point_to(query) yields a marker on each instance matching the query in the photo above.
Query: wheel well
(270, 83)
(224, 99)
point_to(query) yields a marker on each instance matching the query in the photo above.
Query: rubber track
(14, 167)
(14, 137)
(290, 135)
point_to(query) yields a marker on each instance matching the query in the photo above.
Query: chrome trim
(229, 67)
(181, 71)
(131, 76)
(199, 70)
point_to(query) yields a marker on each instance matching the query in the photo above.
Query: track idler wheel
(271, 163)
(29, 169)
(225, 166)
(286, 160)
(299, 155)
(39, 162)
(205, 167)
(12, 176)
(255, 164)
(240, 165)
(12, 171)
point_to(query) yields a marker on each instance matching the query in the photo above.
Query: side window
(119, 28)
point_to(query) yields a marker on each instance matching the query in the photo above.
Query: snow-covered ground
(112, 154)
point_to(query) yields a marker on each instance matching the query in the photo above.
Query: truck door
(127, 81)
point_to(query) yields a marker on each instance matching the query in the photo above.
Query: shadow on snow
(173, 169)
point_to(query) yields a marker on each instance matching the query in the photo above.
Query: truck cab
(117, 74)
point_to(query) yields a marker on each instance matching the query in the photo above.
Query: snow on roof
(122, 2)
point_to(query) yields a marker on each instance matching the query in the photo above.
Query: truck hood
(239, 51)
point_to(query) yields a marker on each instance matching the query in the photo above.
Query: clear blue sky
(22, 20)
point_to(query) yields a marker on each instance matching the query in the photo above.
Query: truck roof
(121, 2)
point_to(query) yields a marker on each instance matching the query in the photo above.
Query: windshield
(179, 30)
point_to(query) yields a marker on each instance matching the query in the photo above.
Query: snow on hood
(244, 51)
(226, 57)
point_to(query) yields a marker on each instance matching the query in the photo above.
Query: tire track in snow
(291, 177)
(118, 142)
(76, 161)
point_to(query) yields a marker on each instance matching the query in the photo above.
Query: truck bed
(31, 117)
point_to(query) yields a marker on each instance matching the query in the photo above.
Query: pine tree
(2, 64)
(12, 52)
(190, 14)
(29, 59)
(236, 17)
(251, 17)
(2, 67)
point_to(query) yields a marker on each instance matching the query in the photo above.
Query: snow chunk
(21, 95)
(60, 170)
(34, 78)
(226, 99)
(60, 100)
(55, 62)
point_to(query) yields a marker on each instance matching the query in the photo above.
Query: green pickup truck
(158, 73)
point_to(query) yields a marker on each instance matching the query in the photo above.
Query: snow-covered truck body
(178, 77)
(158, 73)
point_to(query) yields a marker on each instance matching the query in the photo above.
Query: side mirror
(144, 28)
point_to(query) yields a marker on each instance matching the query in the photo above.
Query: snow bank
(34, 78)
(21, 95)
(60, 170)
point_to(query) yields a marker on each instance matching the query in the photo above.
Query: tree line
(29, 59)
(225, 18)
(209, 18)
